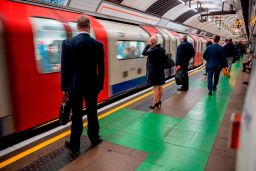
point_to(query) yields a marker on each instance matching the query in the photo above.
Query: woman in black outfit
(155, 71)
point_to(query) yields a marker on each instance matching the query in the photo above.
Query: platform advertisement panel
(247, 149)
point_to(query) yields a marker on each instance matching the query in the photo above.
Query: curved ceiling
(160, 12)
(182, 10)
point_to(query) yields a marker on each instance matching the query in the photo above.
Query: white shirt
(83, 32)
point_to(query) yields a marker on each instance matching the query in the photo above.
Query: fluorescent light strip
(182, 1)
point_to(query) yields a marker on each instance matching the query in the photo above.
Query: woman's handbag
(179, 77)
(225, 72)
(65, 110)
(167, 60)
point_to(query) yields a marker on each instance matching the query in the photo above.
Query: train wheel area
(188, 132)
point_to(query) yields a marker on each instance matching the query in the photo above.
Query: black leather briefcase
(65, 110)
(179, 77)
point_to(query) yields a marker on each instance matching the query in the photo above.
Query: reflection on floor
(189, 132)
(182, 143)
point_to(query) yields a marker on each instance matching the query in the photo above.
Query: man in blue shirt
(214, 55)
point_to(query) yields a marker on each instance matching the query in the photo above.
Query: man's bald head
(184, 37)
(83, 23)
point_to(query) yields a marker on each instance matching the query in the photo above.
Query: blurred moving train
(30, 49)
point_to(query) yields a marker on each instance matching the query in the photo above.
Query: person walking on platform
(240, 48)
(185, 51)
(155, 71)
(230, 53)
(82, 75)
(214, 55)
(207, 44)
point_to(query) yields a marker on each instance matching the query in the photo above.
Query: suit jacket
(214, 55)
(184, 52)
(82, 65)
(229, 50)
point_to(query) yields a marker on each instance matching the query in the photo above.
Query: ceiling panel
(86, 5)
(182, 18)
(160, 7)
(175, 12)
(138, 4)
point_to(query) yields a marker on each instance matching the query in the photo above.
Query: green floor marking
(172, 143)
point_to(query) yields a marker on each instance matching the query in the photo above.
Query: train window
(75, 31)
(48, 37)
(129, 49)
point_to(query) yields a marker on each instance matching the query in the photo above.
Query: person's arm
(205, 55)
(224, 61)
(146, 50)
(101, 67)
(178, 57)
(65, 67)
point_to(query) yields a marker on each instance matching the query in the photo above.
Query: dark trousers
(77, 122)
(213, 73)
(245, 65)
(186, 81)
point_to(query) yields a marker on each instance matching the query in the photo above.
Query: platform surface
(179, 136)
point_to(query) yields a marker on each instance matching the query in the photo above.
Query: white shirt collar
(83, 32)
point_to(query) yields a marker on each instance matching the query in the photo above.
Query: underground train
(30, 49)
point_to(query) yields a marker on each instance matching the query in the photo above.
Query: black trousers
(77, 122)
(246, 64)
(213, 73)
(186, 80)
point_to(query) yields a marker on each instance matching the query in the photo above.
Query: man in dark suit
(185, 51)
(82, 76)
(214, 55)
(230, 53)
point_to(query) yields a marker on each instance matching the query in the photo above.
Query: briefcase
(65, 110)
(179, 77)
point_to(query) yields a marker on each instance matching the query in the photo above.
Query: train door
(204, 41)
(127, 65)
(153, 31)
(166, 39)
(197, 48)
(161, 35)
(32, 88)
(6, 113)
(98, 32)
(173, 46)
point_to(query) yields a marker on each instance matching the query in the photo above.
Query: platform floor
(187, 133)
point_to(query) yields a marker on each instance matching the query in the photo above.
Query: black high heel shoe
(158, 105)
(153, 107)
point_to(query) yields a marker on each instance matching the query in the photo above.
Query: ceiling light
(182, 1)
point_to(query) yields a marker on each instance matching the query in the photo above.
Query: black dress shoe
(74, 150)
(210, 93)
(95, 143)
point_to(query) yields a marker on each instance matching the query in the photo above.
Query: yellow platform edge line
(62, 135)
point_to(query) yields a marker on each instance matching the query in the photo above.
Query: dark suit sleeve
(65, 66)
(101, 67)
(205, 55)
(179, 55)
(146, 50)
